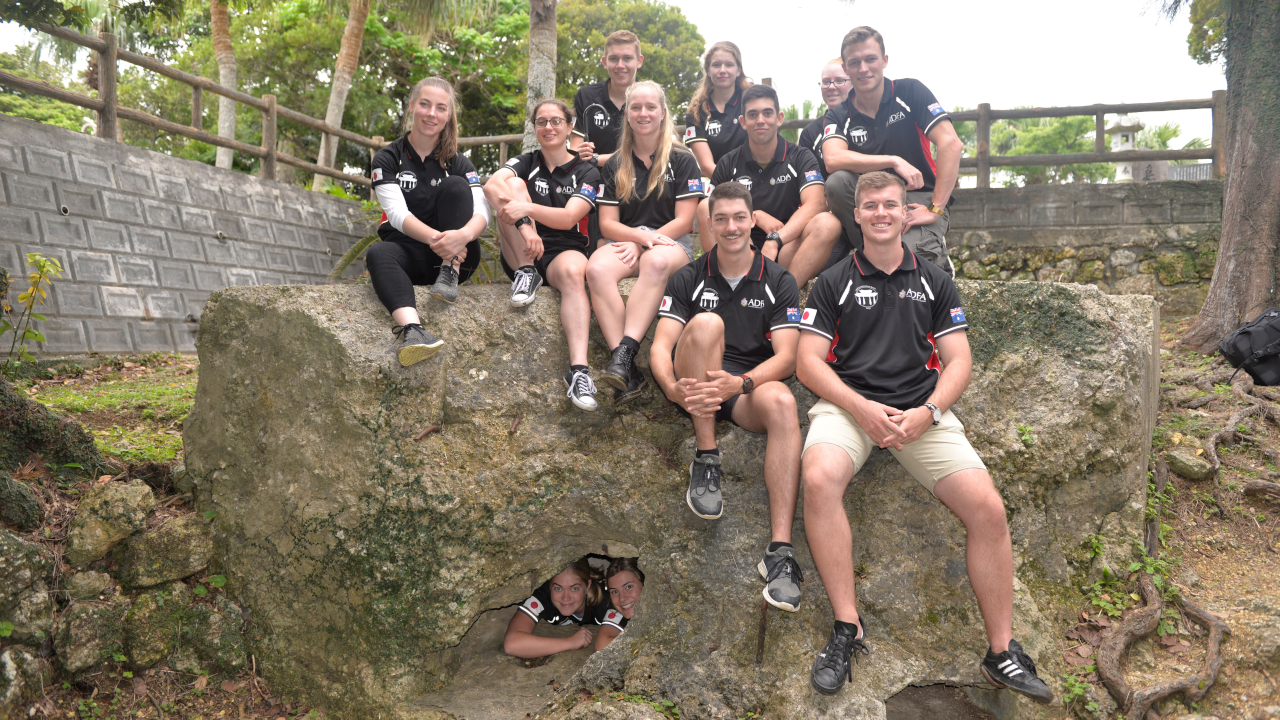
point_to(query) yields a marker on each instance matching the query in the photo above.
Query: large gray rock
(25, 601)
(19, 505)
(365, 557)
(107, 514)
(90, 633)
(153, 625)
(180, 548)
(87, 585)
(22, 675)
(213, 631)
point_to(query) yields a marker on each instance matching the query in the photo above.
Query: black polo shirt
(719, 130)
(539, 608)
(883, 328)
(596, 118)
(419, 180)
(908, 111)
(683, 180)
(766, 299)
(554, 188)
(811, 138)
(776, 187)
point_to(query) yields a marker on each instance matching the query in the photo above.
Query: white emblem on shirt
(746, 181)
(866, 296)
(858, 135)
(895, 118)
(713, 128)
(710, 298)
(601, 119)
(541, 186)
(408, 180)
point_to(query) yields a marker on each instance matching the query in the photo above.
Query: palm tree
(542, 58)
(431, 14)
(225, 55)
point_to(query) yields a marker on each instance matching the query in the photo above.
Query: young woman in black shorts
(540, 198)
(433, 208)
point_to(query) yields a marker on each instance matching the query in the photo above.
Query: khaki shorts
(942, 450)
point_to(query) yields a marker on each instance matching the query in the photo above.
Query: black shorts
(550, 252)
(725, 413)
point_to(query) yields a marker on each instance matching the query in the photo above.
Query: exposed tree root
(1262, 487)
(1228, 434)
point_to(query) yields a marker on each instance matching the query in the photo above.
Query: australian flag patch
(695, 185)
(793, 314)
(473, 177)
(812, 175)
(936, 109)
(588, 191)
(957, 315)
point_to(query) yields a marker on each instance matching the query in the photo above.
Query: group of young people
(594, 591)
(860, 204)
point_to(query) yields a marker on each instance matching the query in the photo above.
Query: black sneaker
(782, 576)
(446, 286)
(416, 344)
(617, 374)
(582, 391)
(831, 668)
(525, 287)
(1013, 669)
(636, 386)
(703, 495)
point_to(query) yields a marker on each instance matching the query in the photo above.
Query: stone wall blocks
(1147, 212)
(47, 162)
(279, 259)
(210, 278)
(80, 200)
(77, 300)
(195, 302)
(241, 276)
(186, 247)
(184, 336)
(179, 275)
(301, 280)
(219, 251)
(124, 208)
(30, 192)
(1053, 214)
(11, 157)
(293, 214)
(206, 196)
(135, 179)
(164, 304)
(307, 262)
(1099, 213)
(63, 336)
(1004, 215)
(266, 207)
(287, 235)
(91, 171)
(63, 231)
(162, 214)
(122, 302)
(172, 188)
(229, 225)
(10, 260)
(136, 271)
(148, 241)
(197, 220)
(109, 336)
(237, 203)
(270, 278)
(258, 231)
(50, 252)
(151, 337)
(337, 245)
(250, 254)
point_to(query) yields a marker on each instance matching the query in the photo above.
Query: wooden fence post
(767, 81)
(107, 121)
(269, 138)
(502, 154)
(197, 107)
(984, 145)
(1100, 132)
(1219, 138)
(373, 152)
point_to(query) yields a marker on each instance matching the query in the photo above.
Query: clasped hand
(703, 399)
(629, 250)
(449, 244)
(890, 427)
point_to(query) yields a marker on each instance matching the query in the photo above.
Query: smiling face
(624, 592)
(835, 84)
(880, 213)
(551, 135)
(622, 60)
(644, 111)
(732, 220)
(864, 63)
(762, 120)
(431, 111)
(569, 593)
(723, 69)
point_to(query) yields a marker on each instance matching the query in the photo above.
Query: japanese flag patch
(957, 314)
(793, 314)
(613, 617)
(666, 304)
(377, 174)
(812, 176)
(512, 162)
(828, 130)
(936, 109)
(588, 191)
(532, 607)
(810, 314)
(690, 132)
(695, 185)
(473, 177)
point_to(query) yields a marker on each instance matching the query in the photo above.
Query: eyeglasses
(834, 82)
(554, 122)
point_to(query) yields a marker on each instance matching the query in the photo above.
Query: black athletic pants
(395, 266)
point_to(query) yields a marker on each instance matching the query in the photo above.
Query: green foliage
(25, 62)
(200, 590)
(1024, 434)
(671, 45)
(209, 514)
(218, 580)
(667, 708)
(1095, 545)
(31, 13)
(1207, 41)
(43, 272)
(6, 629)
(1159, 137)
(1073, 688)
(1039, 136)
(1109, 595)
(804, 112)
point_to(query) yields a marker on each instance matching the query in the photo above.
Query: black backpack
(1255, 348)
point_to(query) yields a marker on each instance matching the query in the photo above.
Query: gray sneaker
(704, 487)
(416, 344)
(446, 286)
(782, 574)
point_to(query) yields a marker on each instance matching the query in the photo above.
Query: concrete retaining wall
(144, 237)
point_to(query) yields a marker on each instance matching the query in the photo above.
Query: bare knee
(822, 481)
(778, 404)
(654, 263)
(826, 223)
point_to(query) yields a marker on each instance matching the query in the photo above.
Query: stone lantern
(1124, 136)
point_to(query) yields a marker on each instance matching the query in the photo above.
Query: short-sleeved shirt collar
(713, 265)
(865, 267)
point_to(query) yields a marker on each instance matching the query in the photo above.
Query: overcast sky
(1004, 52)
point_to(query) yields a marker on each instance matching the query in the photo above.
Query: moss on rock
(176, 550)
(107, 514)
(28, 427)
(19, 506)
(154, 623)
(214, 633)
(90, 633)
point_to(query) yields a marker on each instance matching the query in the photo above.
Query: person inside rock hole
(433, 212)
(573, 597)
(624, 582)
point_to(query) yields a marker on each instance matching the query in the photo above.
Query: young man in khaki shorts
(883, 344)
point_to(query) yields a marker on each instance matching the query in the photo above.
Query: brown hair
(625, 177)
(731, 190)
(862, 33)
(447, 144)
(593, 579)
(560, 105)
(630, 565)
(622, 37)
(700, 103)
(877, 180)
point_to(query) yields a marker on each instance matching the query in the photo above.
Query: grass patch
(1184, 424)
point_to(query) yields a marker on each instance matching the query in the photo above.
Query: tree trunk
(343, 70)
(542, 59)
(1244, 278)
(220, 29)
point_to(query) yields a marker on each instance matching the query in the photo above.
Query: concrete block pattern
(92, 267)
(151, 337)
(80, 200)
(135, 180)
(306, 262)
(63, 336)
(1099, 213)
(172, 188)
(250, 254)
(1005, 215)
(30, 192)
(241, 276)
(300, 280)
(230, 225)
(178, 275)
(91, 171)
(122, 302)
(210, 278)
(110, 336)
(313, 240)
(266, 207)
(270, 278)
(197, 220)
(219, 251)
(1053, 214)
(184, 336)
(47, 162)
(109, 236)
(1188, 211)
(124, 208)
(965, 215)
(278, 259)
(257, 231)
(136, 271)
(1139, 212)
(147, 241)
(294, 214)
(11, 156)
(9, 258)
(186, 247)
(77, 300)
(162, 214)
(237, 203)
(287, 235)
(196, 301)
(49, 251)
(206, 197)
(63, 231)
(165, 304)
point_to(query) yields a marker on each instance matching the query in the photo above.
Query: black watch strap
(522, 221)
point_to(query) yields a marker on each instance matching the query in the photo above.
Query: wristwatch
(774, 237)
(937, 414)
(934, 208)
(748, 384)
(595, 159)
(522, 221)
